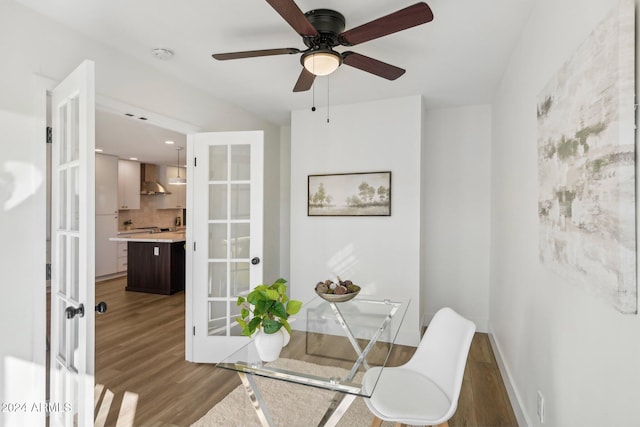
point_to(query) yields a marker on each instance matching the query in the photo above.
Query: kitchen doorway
(108, 107)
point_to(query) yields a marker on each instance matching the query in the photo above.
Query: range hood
(149, 178)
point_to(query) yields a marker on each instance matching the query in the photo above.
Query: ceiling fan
(323, 29)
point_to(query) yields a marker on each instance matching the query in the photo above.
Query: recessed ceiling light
(133, 158)
(98, 150)
(162, 53)
(169, 142)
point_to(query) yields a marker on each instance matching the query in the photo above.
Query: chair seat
(403, 395)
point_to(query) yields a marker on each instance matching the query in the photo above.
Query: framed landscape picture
(349, 194)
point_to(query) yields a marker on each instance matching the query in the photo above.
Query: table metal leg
(352, 339)
(339, 405)
(251, 389)
(362, 354)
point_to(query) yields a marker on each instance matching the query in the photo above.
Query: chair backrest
(443, 350)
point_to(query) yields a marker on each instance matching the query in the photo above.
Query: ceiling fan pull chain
(313, 97)
(328, 79)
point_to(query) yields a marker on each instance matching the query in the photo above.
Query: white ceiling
(457, 59)
(127, 137)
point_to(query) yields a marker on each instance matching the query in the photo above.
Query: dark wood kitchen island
(156, 262)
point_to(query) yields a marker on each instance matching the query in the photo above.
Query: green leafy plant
(269, 307)
(128, 222)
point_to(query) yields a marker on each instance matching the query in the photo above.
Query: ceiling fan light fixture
(322, 62)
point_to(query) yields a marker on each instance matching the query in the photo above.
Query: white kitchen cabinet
(128, 184)
(106, 184)
(122, 257)
(178, 197)
(106, 250)
(106, 214)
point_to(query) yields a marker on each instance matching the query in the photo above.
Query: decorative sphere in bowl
(337, 292)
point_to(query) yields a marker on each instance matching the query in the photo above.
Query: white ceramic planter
(286, 337)
(269, 345)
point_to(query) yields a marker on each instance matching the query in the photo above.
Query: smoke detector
(162, 53)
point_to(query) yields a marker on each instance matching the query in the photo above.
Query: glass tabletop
(332, 344)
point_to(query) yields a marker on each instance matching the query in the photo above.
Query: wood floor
(140, 349)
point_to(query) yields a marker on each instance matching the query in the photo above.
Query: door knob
(101, 307)
(72, 311)
(255, 260)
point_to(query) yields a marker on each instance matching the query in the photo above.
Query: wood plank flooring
(140, 349)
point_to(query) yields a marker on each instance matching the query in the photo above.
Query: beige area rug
(290, 405)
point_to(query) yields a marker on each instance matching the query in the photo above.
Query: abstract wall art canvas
(586, 164)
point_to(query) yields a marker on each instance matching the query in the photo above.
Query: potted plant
(127, 224)
(266, 310)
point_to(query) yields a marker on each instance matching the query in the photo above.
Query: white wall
(285, 201)
(32, 44)
(379, 253)
(579, 352)
(456, 155)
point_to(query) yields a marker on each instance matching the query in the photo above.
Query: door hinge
(49, 135)
(194, 331)
(195, 162)
(194, 246)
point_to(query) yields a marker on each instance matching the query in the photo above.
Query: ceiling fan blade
(305, 81)
(418, 14)
(373, 66)
(291, 13)
(255, 53)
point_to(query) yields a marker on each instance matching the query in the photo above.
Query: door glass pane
(218, 161)
(74, 266)
(217, 279)
(239, 278)
(74, 325)
(61, 264)
(240, 201)
(73, 131)
(74, 197)
(217, 318)
(235, 312)
(62, 202)
(217, 240)
(218, 201)
(62, 331)
(63, 146)
(239, 240)
(240, 162)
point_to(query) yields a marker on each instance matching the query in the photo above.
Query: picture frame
(349, 194)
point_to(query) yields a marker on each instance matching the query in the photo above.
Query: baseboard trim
(514, 396)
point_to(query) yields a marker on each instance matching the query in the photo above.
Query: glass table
(346, 338)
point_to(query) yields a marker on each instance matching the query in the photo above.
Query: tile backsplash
(148, 215)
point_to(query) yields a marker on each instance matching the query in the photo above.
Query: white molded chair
(425, 390)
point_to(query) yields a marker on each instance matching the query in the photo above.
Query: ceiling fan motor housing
(329, 24)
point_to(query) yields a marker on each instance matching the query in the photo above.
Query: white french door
(72, 249)
(226, 199)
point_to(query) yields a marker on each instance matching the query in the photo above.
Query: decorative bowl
(339, 298)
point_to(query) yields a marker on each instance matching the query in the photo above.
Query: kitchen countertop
(163, 237)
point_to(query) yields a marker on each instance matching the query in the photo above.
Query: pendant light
(178, 180)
